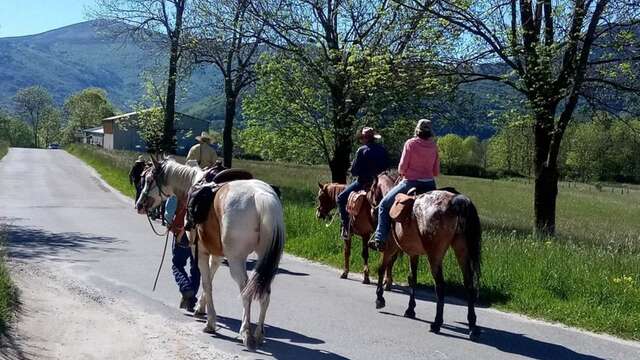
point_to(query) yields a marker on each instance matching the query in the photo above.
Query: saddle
(355, 201)
(402, 209)
(202, 194)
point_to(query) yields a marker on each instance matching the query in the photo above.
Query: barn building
(119, 133)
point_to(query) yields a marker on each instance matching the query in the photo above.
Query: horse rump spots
(355, 201)
(402, 208)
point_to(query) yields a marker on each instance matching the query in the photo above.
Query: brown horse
(363, 223)
(429, 225)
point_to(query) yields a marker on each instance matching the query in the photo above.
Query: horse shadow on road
(281, 349)
(25, 243)
(509, 342)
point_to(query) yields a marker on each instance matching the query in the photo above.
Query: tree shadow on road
(251, 263)
(25, 243)
(282, 349)
(509, 342)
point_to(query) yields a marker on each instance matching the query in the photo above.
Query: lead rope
(164, 252)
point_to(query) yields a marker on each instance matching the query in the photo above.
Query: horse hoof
(410, 313)
(200, 315)
(474, 334)
(387, 286)
(209, 330)
(250, 342)
(344, 275)
(366, 281)
(435, 328)
(380, 303)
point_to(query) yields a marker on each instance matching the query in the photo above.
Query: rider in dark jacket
(371, 159)
(135, 175)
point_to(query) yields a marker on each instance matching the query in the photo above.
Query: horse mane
(334, 189)
(180, 177)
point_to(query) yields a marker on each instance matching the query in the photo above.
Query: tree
(551, 53)
(31, 105)
(158, 21)
(339, 42)
(225, 38)
(16, 132)
(50, 126)
(473, 151)
(85, 109)
(451, 149)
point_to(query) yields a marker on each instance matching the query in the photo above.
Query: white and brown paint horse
(246, 217)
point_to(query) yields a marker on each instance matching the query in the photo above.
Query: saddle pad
(355, 201)
(402, 208)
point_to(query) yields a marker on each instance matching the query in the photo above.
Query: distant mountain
(75, 57)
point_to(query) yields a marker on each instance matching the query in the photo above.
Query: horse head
(327, 199)
(153, 193)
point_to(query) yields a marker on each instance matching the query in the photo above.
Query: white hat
(369, 132)
(204, 137)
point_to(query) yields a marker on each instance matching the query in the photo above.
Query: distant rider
(202, 152)
(419, 165)
(135, 175)
(371, 160)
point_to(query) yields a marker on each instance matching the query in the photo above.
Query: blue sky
(26, 17)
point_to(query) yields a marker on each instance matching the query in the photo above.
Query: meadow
(588, 276)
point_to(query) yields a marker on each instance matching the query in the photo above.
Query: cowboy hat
(204, 137)
(369, 133)
(140, 158)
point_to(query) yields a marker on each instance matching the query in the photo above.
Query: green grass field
(8, 291)
(588, 276)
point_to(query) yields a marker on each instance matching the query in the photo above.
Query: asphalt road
(59, 212)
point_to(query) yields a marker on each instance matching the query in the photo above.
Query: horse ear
(320, 186)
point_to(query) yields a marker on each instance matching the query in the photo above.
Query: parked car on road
(54, 146)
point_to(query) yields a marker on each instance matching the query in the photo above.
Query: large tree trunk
(340, 162)
(227, 133)
(546, 174)
(343, 122)
(168, 136)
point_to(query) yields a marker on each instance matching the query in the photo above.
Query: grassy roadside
(589, 276)
(8, 291)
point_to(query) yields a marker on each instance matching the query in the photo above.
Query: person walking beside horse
(419, 164)
(371, 160)
(135, 175)
(202, 152)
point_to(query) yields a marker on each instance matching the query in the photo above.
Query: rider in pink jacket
(419, 165)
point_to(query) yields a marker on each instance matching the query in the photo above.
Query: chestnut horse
(363, 223)
(429, 225)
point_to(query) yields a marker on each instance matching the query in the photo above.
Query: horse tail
(469, 226)
(271, 229)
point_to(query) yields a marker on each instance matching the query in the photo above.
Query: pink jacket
(419, 159)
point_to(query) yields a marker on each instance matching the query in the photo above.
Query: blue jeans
(343, 197)
(384, 220)
(182, 253)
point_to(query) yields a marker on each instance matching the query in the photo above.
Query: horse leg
(264, 304)
(388, 278)
(460, 248)
(387, 256)
(413, 282)
(435, 261)
(365, 258)
(238, 268)
(207, 291)
(347, 256)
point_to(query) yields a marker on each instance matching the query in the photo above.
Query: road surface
(64, 220)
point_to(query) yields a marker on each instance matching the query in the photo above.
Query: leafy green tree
(15, 131)
(85, 109)
(511, 148)
(351, 48)
(473, 151)
(451, 149)
(50, 126)
(553, 54)
(32, 104)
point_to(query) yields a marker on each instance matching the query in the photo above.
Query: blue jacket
(370, 161)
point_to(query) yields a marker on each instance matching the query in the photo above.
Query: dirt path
(62, 318)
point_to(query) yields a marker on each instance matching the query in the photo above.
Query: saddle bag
(355, 201)
(198, 204)
(402, 208)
